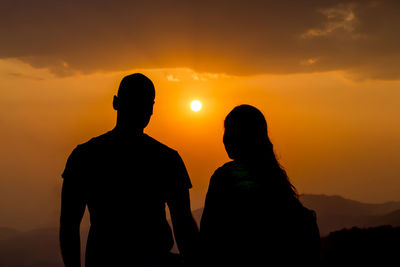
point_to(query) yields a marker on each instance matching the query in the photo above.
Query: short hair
(137, 85)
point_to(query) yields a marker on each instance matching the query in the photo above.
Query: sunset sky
(326, 75)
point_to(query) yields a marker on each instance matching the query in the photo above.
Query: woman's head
(246, 139)
(246, 134)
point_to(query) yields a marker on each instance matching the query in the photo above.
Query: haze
(324, 73)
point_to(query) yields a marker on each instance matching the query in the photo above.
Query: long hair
(246, 139)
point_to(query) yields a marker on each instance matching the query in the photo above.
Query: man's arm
(72, 210)
(185, 228)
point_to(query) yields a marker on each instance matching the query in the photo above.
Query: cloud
(25, 76)
(234, 37)
(339, 17)
(172, 78)
(205, 76)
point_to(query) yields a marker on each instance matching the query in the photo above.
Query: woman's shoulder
(231, 171)
(229, 167)
(223, 171)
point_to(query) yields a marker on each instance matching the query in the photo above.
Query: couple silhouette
(252, 215)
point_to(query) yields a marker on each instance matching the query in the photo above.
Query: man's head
(134, 102)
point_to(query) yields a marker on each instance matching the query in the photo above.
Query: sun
(195, 105)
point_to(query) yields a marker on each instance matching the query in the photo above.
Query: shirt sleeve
(182, 173)
(179, 180)
(74, 165)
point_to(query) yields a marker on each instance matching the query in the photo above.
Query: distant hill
(392, 218)
(377, 246)
(6, 232)
(36, 248)
(40, 247)
(335, 212)
(340, 205)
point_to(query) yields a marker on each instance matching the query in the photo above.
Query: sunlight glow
(195, 105)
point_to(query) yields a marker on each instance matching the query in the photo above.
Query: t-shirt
(248, 220)
(126, 184)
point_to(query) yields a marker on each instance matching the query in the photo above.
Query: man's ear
(116, 102)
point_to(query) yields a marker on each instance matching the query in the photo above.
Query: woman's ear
(116, 102)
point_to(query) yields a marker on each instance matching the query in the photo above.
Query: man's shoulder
(107, 140)
(81, 156)
(160, 147)
(93, 144)
(172, 162)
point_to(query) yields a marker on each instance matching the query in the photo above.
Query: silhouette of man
(125, 178)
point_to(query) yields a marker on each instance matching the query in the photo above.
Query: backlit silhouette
(125, 178)
(252, 215)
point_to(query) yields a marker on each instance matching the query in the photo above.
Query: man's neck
(127, 131)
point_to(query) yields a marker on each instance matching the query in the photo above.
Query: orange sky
(333, 135)
(324, 73)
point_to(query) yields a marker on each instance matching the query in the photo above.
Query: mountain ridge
(40, 247)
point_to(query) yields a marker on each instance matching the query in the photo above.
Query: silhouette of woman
(252, 215)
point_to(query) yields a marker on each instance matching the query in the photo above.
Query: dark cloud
(234, 37)
(25, 76)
